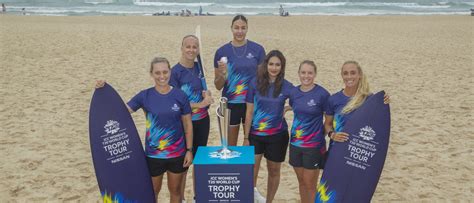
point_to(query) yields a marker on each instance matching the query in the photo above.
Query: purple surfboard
(353, 168)
(117, 153)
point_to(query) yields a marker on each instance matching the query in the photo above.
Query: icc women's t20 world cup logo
(367, 133)
(112, 127)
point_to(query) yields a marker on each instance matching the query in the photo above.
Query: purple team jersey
(268, 111)
(188, 80)
(308, 107)
(164, 129)
(336, 103)
(242, 65)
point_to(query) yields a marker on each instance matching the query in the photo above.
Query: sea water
(246, 7)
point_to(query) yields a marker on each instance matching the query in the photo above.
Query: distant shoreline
(19, 13)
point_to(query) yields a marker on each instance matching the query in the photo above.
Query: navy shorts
(308, 158)
(159, 166)
(200, 133)
(237, 113)
(273, 147)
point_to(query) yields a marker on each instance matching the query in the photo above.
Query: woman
(169, 133)
(307, 144)
(240, 59)
(267, 130)
(186, 75)
(344, 102)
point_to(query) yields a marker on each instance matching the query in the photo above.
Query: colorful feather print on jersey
(338, 122)
(114, 198)
(299, 135)
(195, 97)
(237, 86)
(162, 143)
(262, 122)
(323, 196)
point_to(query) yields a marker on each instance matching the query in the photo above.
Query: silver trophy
(223, 118)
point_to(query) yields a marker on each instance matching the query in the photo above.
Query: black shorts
(273, 147)
(200, 133)
(237, 113)
(159, 166)
(308, 158)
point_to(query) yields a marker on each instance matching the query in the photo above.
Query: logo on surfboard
(367, 133)
(112, 127)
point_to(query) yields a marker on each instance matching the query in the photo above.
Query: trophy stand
(215, 163)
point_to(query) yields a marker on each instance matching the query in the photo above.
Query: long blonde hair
(362, 92)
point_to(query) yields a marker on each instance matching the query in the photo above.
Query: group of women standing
(177, 119)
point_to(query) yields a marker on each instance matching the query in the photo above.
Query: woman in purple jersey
(186, 75)
(169, 133)
(266, 127)
(343, 103)
(236, 65)
(307, 143)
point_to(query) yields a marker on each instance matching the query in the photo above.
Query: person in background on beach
(23, 11)
(343, 103)
(266, 128)
(4, 8)
(186, 75)
(283, 12)
(169, 132)
(307, 143)
(200, 10)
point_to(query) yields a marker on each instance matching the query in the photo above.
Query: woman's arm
(329, 129)
(248, 123)
(188, 133)
(286, 109)
(208, 100)
(386, 98)
(220, 75)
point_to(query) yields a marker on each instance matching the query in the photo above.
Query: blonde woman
(343, 103)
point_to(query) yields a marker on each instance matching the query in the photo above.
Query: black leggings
(200, 133)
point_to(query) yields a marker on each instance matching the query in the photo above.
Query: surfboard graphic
(354, 167)
(117, 153)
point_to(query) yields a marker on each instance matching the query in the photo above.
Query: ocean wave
(124, 12)
(313, 4)
(376, 13)
(151, 3)
(364, 4)
(95, 2)
(57, 11)
(234, 13)
(401, 5)
(239, 6)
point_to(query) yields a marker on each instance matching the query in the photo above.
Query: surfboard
(353, 168)
(117, 153)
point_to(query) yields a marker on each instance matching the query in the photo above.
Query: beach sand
(49, 66)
